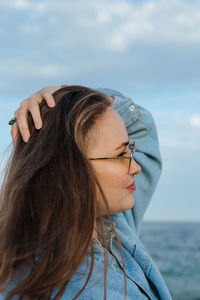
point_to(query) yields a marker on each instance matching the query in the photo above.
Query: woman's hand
(31, 105)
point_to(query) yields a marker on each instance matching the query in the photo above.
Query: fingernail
(26, 138)
(38, 126)
(51, 104)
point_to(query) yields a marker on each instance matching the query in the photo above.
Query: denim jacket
(143, 278)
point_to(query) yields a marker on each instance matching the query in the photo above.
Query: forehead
(108, 133)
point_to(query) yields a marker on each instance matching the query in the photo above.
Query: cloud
(174, 21)
(45, 70)
(159, 22)
(195, 121)
(25, 5)
(178, 127)
(119, 43)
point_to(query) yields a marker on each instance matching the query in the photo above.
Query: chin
(130, 202)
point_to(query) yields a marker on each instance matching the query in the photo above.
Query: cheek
(113, 178)
(114, 182)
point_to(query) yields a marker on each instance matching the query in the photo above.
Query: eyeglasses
(127, 158)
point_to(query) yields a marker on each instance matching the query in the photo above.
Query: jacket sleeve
(141, 128)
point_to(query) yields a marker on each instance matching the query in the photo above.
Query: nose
(134, 168)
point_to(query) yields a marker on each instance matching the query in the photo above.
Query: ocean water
(175, 248)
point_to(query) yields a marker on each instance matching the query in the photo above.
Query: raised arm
(141, 128)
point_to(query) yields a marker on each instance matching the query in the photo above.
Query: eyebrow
(123, 144)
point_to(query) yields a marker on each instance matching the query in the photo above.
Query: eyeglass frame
(123, 157)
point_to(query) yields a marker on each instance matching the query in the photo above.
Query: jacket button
(115, 265)
(132, 107)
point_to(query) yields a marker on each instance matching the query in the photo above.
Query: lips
(133, 183)
(131, 187)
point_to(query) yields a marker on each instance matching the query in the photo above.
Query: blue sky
(148, 50)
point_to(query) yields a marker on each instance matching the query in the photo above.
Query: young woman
(70, 212)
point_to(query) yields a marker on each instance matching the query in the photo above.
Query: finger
(16, 113)
(27, 105)
(14, 132)
(33, 98)
(22, 122)
(111, 98)
(49, 99)
(63, 85)
(35, 112)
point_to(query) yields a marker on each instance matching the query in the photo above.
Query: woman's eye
(122, 154)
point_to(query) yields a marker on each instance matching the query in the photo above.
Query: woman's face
(105, 137)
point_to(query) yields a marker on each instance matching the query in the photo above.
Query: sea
(175, 248)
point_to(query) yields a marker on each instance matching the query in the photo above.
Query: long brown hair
(48, 200)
